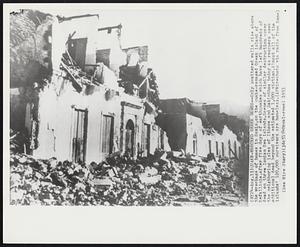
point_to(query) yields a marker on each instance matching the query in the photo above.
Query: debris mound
(166, 178)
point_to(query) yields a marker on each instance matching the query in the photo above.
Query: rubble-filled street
(166, 178)
(89, 126)
(148, 124)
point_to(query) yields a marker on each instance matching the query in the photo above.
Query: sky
(199, 54)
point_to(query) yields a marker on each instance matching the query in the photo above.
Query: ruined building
(78, 95)
(84, 111)
(190, 127)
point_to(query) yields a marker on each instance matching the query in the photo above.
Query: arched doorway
(129, 137)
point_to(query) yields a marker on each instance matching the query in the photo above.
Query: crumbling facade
(188, 128)
(98, 98)
(84, 114)
(88, 126)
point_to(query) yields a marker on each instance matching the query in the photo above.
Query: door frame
(132, 136)
(111, 141)
(75, 129)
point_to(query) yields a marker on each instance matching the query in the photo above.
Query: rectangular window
(209, 146)
(107, 134)
(160, 144)
(28, 118)
(223, 149)
(217, 149)
(234, 146)
(229, 149)
(102, 56)
(194, 146)
(79, 135)
(146, 139)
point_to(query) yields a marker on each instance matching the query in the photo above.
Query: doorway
(107, 134)
(129, 138)
(79, 136)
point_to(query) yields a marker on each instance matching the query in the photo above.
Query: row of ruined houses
(101, 98)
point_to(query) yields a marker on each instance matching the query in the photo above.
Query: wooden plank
(107, 134)
(146, 78)
(110, 28)
(76, 84)
(62, 18)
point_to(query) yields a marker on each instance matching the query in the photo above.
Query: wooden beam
(146, 78)
(124, 103)
(70, 37)
(110, 28)
(76, 84)
(62, 18)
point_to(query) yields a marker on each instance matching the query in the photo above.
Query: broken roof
(63, 18)
(183, 105)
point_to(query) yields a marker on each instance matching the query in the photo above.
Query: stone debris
(167, 178)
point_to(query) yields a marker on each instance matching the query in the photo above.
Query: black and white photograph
(102, 116)
(173, 120)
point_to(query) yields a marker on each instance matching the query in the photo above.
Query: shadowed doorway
(129, 138)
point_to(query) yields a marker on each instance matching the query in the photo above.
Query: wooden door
(79, 135)
(107, 134)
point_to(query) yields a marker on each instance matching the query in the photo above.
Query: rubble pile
(171, 178)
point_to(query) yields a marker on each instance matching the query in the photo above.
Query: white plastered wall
(194, 125)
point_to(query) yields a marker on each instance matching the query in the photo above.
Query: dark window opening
(229, 148)
(209, 146)
(77, 50)
(234, 146)
(79, 136)
(223, 149)
(217, 149)
(161, 138)
(102, 56)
